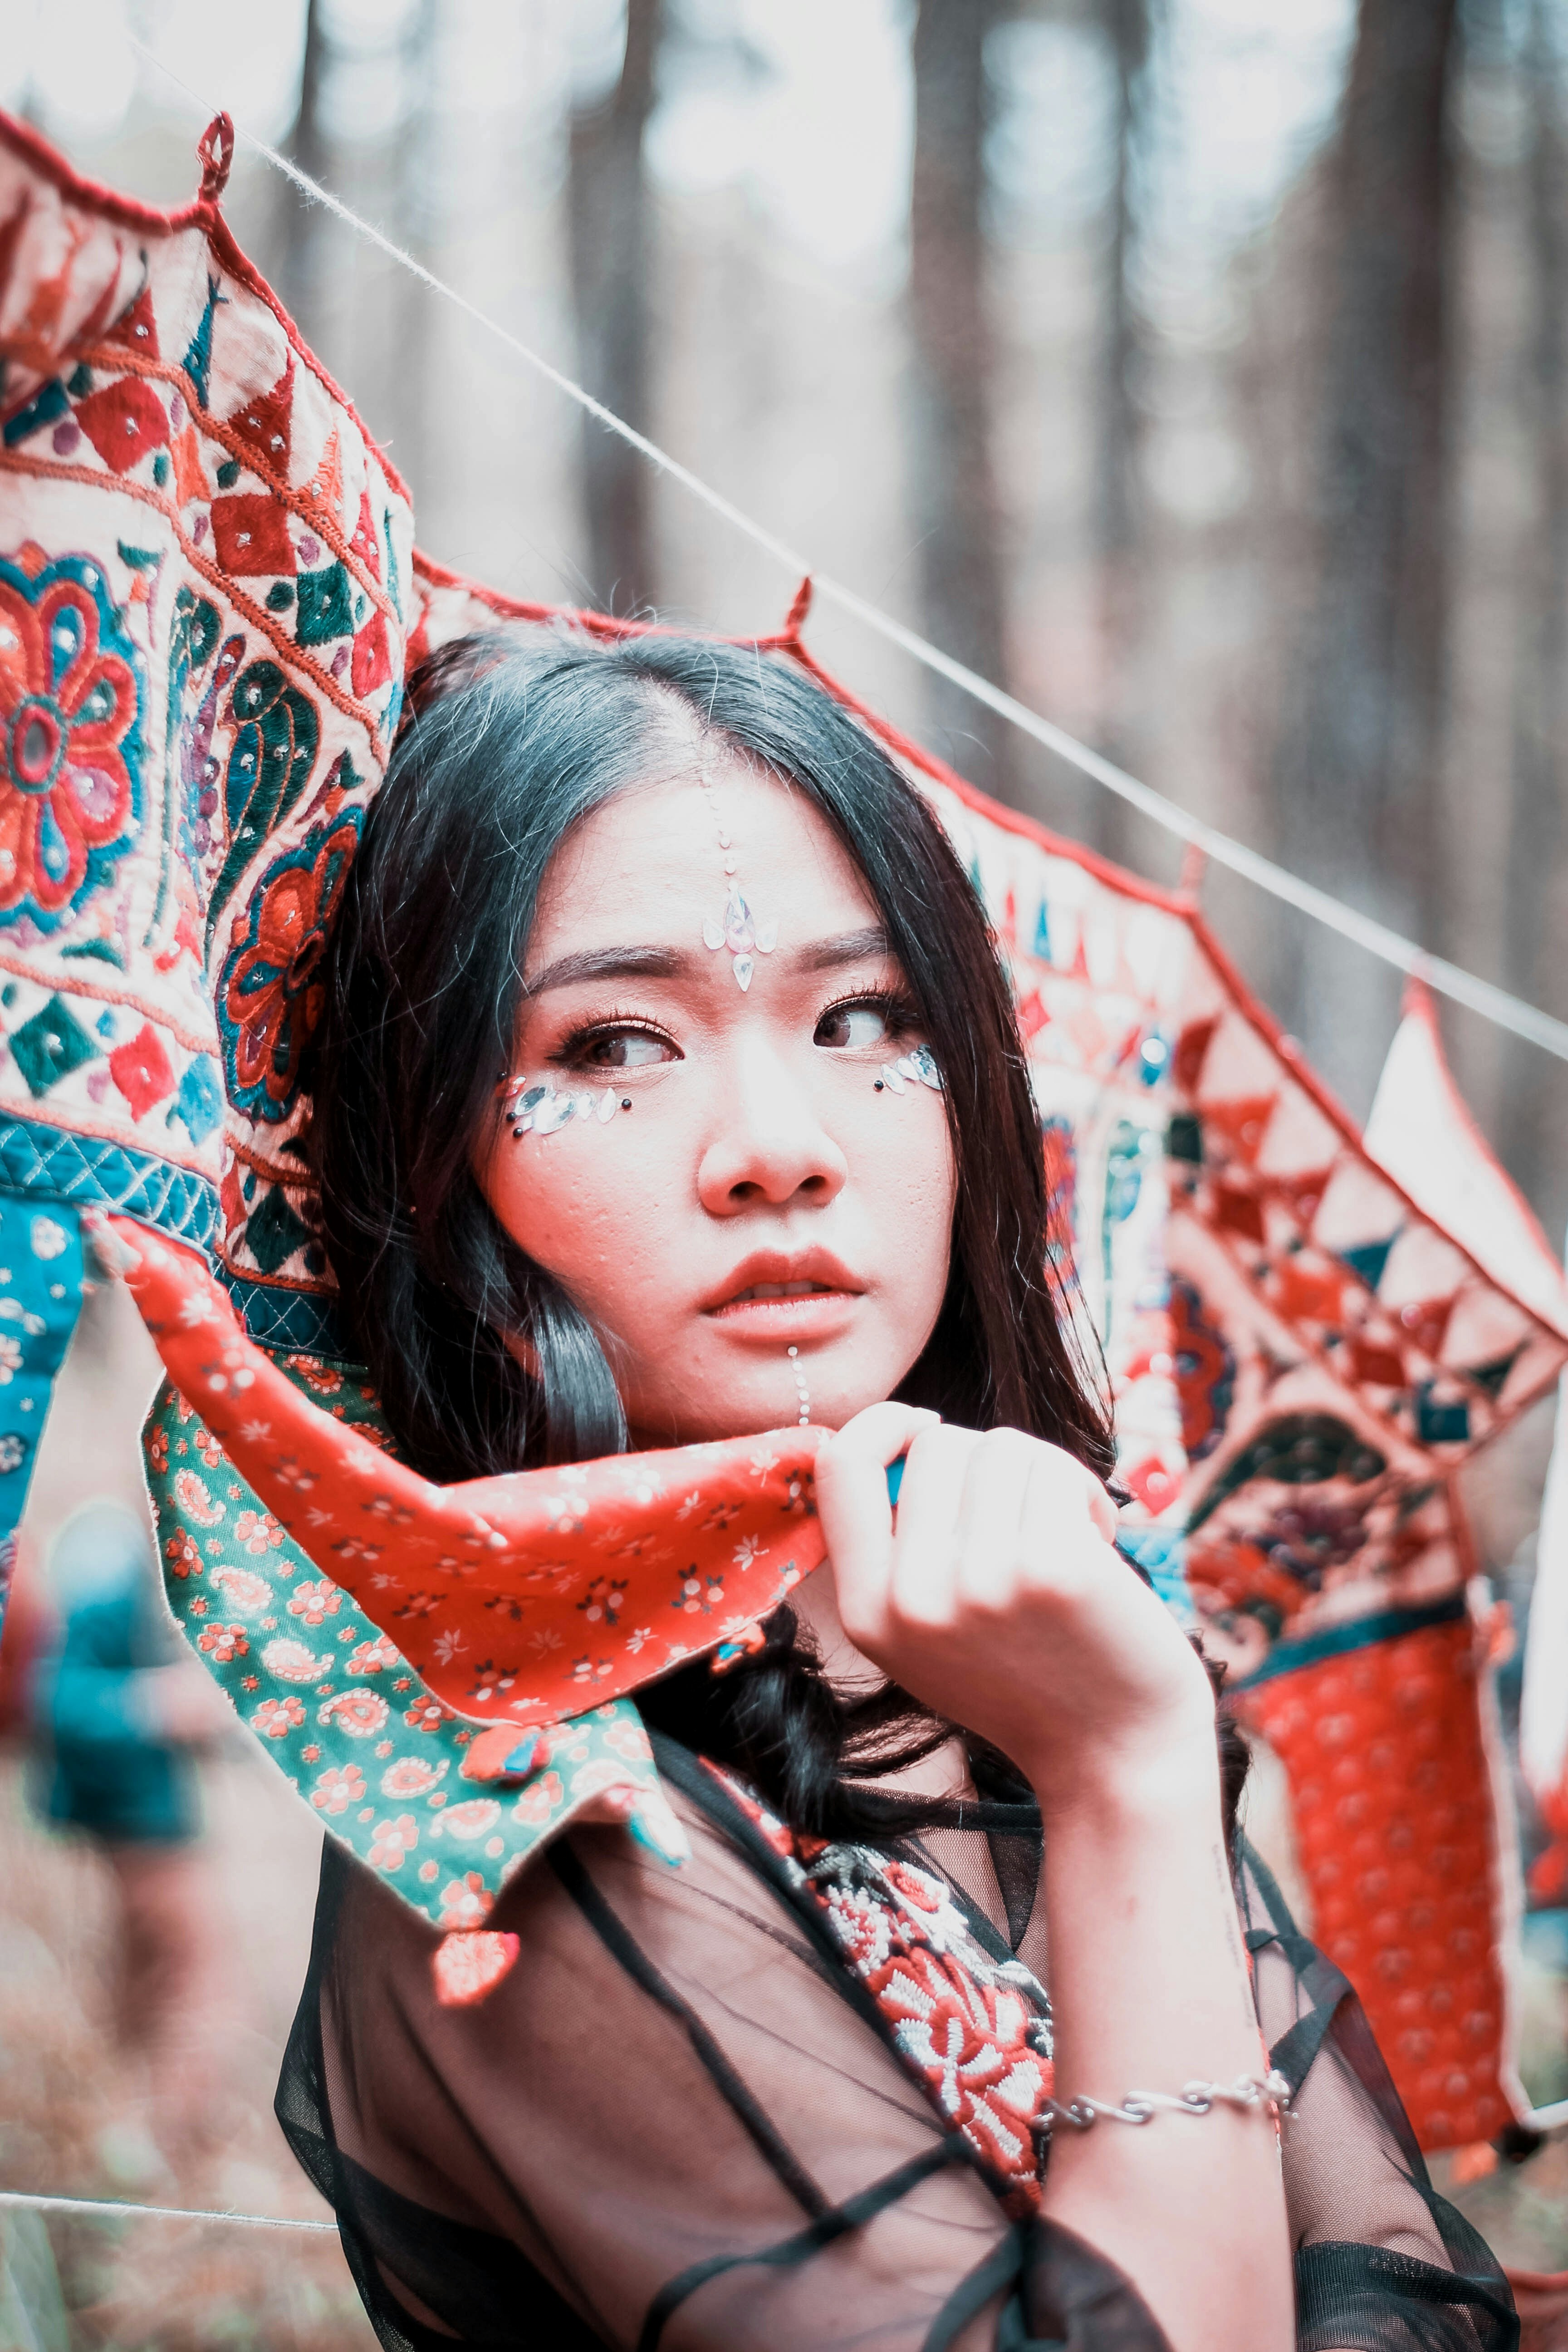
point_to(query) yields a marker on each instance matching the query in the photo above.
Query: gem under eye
(849, 1025)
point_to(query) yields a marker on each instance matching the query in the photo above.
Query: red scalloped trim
(201, 213)
(130, 212)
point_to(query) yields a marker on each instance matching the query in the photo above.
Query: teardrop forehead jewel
(541, 1109)
(737, 928)
(747, 938)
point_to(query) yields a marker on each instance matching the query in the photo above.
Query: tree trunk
(1118, 515)
(417, 311)
(1534, 1139)
(611, 250)
(953, 492)
(303, 269)
(1361, 731)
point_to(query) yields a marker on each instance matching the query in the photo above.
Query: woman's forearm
(1151, 1990)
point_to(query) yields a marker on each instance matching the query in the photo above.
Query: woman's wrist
(1115, 1791)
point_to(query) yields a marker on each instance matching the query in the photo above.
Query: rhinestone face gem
(891, 1077)
(738, 929)
(554, 1114)
(739, 932)
(921, 1065)
(541, 1110)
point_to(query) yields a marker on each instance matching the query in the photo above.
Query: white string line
(1451, 980)
(108, 2206)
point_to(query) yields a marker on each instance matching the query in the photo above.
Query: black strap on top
(836, 2222)
(1327, 1988)
(770, 2143)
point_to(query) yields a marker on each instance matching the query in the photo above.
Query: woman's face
(751, 1191)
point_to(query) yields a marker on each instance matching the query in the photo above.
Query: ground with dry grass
(76, 2119)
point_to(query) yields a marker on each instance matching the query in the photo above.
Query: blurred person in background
(116, 1714)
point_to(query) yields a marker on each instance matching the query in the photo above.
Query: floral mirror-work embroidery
(71, 784)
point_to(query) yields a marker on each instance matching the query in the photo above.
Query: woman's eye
(854, 1024)
(624, 1049)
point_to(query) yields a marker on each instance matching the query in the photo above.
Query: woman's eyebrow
(610, 963)
(674, 964)
(848, 946)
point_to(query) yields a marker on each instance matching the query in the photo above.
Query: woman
(669, 1090)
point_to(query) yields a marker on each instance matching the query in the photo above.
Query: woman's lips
(785, 1314)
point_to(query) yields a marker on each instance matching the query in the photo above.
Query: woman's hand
(997, 1598)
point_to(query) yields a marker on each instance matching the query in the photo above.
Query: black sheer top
(680, 2121)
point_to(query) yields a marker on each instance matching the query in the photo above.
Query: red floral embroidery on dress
(977, 2044)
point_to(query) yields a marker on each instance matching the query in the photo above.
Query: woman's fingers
(1069, 1520)
(991, 1537)
(925, 1557)
(856, 1516)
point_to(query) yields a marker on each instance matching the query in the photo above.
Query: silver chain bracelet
(1271, 2090)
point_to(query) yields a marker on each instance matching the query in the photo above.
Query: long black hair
(513, 739)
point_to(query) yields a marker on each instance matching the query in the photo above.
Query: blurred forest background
(1196, 369)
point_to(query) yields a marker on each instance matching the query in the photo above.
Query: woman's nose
(768, 1145)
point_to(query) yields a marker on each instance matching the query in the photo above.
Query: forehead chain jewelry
(737, 928)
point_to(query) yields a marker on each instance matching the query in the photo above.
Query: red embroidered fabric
(632, 1538)
(974, 2030)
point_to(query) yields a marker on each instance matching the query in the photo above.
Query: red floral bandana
(652, 1557)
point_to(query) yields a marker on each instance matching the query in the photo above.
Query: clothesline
(1450, 980)
(110, 2208)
